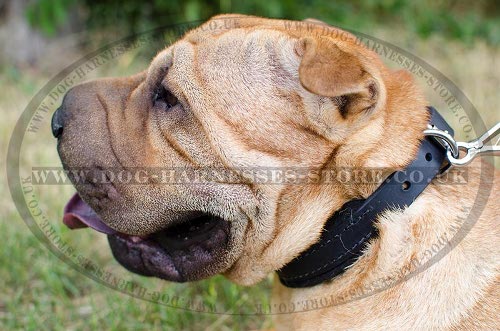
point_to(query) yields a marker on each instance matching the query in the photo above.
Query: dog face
(251, 96)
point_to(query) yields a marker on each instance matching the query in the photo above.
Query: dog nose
(57, 124)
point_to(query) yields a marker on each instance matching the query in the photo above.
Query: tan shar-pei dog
(243, 92)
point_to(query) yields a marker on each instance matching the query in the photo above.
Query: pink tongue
(77, 214)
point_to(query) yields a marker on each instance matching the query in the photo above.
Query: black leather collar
(347, 231)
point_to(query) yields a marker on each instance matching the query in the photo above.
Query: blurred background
(39, 38)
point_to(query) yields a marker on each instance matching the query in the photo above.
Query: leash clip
(477, 147)
(472, 148)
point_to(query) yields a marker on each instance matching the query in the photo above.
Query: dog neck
(348, 230)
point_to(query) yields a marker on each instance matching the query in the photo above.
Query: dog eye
(164, 97)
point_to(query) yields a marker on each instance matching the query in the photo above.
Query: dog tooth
(135, 239)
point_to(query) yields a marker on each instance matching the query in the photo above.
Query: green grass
(40, 292)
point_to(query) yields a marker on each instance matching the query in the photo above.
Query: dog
(242, 92)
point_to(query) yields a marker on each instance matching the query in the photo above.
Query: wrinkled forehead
(224, 41)
(223, 37)
(217, 29)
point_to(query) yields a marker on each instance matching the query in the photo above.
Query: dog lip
(174, 255)
(143, 257)
(190, 249)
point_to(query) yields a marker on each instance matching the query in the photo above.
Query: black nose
(57, 123)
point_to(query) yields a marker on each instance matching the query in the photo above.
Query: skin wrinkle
(104, 107)
(297, 103)
(225, 119)
(329, 160)
(133, 92)
(234, 135)
(179, 92)
(200, 123)
(262, 148)
(176, 147)
(276, 228)
(200, 81)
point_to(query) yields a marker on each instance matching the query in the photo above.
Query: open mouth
(186, 251)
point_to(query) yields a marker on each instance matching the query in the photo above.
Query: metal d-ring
(445, 139)
(471, 148)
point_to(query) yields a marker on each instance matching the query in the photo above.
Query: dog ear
(330, 71)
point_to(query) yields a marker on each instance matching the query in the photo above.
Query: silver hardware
(444, 138)
(478, 147)
(471, 148)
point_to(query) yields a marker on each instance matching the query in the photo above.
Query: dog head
(236, 93)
